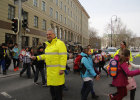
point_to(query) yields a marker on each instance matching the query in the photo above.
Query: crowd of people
(53, 58)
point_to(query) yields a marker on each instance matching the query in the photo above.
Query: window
(35, 2)
(10, 38)
(56, 15)
(71, 13)
(51, 12)
(44, 24)
(65, 8)
(65, 20)
(61, 5)
(35, 41)
(43, 6)
(57, 2)
(35, 21)
(11, 12)
(61, 18)
(68, 11)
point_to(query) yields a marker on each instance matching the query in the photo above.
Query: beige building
(67, 17)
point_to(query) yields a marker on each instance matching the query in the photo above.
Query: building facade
(68, 18)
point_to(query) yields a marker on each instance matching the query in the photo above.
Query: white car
(111, 50)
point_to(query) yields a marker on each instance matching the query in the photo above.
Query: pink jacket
(123, 73)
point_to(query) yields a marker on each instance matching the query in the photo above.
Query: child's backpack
(112, 68)
(77, 62)
(98, 57)
(78, 65)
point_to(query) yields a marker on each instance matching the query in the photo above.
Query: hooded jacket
(88, 63)
(123, 73)
(55, 58)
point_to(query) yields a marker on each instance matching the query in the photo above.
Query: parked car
(111, 50)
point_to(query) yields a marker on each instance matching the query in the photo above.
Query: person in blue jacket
(87, 73)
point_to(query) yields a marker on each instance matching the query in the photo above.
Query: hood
(116, 57)
(83, 54)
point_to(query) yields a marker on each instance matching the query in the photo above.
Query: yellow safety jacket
(117, 52)
(55, 58)
(138, 55)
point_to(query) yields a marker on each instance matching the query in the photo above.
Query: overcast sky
(101, 11)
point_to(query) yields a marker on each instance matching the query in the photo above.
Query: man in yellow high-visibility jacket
(55, 58)
(122, 47)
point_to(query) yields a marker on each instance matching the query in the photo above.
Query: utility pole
(112, 27)
(19, 34)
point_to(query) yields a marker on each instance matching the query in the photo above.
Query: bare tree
(120, 33)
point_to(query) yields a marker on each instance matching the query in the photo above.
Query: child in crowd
(40, 67)
(26, 63)
(87, 73)
(121, 81)
(16, 53)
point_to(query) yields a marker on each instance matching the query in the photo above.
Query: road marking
(7, 95)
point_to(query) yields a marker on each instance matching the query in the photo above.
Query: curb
(9, 75)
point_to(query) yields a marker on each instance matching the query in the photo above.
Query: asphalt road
(16, 88)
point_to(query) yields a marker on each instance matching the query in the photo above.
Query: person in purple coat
(121, 81)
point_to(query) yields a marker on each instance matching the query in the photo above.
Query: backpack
(78, 65)
(98, 57)
(112, 68)
(77, 62)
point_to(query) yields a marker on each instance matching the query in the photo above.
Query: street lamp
(111, 27)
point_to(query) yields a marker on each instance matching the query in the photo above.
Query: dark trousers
(8, 62)
(33, 68)
(41, 70)
(16, 62)
(87, 87)
(132, 94)
(26, 66)
(56, 92)
(2, 63)
(101, 66)
(121, 93)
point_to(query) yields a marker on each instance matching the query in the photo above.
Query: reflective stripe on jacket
(55, 58)
(131, 58)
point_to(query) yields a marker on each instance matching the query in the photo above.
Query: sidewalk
(10, 71)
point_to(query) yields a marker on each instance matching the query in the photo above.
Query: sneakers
(36, 83)
(110, 96)
(44, 85)
(17, 68)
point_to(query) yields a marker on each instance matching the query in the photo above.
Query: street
(21, 88)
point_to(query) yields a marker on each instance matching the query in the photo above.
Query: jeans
(87, 87)
(2, 63)
(56, 92)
